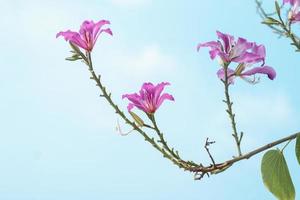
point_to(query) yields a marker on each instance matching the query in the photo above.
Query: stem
(162, 139)
(229, 110)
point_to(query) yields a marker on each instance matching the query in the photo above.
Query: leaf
(297, 148)
(276, 175)
(74, 57)
(74, 47)
(277, 8)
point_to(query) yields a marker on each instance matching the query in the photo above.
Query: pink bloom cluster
(239, 51)
(149, 98)
(87, 35)
(294, 14)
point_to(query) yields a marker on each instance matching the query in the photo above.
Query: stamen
(119, 130)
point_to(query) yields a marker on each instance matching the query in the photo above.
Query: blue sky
(58, 138)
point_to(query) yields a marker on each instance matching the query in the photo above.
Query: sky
(58, 139)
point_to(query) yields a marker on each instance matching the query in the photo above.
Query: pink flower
(294, 13)
(149, 98)
(242, 52)
(87, 35)
(229, 50)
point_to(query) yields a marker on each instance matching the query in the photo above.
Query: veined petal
(269, 71)
(66, 34)
(228, 41)
(107, 30)
(97, 27)
(164, 97)
(135, 99)
(73, 37)
(86, 27)
(241, 46)
(247, 57)
(211, 44)
(158, 89)
(230, 74)
(215, 48)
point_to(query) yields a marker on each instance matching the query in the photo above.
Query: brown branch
(228, 163)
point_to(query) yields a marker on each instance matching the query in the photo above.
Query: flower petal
(73, 37)
(97, 27)
(164, 97)
(228, 41)
(230, 74)
(158, 89)
(269, 71)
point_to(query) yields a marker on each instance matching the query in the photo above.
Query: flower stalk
(237, 137)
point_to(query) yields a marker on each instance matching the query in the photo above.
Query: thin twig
(286, 145)
(206, 146)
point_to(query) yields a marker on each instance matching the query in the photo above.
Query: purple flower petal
(269, 71)
(214, 46)
(73, 37)
(227, 39)
(164, 97)
(230, 74)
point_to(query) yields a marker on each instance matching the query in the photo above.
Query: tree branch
(190, 166)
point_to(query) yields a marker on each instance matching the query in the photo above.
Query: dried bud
(137, 119)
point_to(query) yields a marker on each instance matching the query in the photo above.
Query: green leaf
(74, 57)
(297, 149)
(276, 175)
